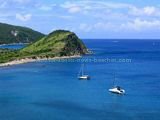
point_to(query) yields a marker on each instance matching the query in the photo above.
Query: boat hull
(116, 91)
(84, 78)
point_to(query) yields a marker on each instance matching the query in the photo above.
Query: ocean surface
(49, 90)
(13, 46)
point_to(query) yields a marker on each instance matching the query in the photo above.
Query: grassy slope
(24, 34)
(58, 43)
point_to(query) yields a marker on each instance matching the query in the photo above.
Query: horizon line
(121, 38)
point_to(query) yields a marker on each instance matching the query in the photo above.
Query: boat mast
(82, 69)
(114, 79)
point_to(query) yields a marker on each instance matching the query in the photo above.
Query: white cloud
(149, 10)
(83, 6)
(87, 15)
(99, 7)
(140, 25)
(74, 9)
(71, 7)
(112, 5)
(25, 17)
(145, 11)
(136, 25)
(113, 16)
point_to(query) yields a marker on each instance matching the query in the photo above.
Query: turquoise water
(50, 90)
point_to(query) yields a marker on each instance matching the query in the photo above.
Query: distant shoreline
(14, 44)
(28, 60)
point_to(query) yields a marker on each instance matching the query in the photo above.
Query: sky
(103, 19)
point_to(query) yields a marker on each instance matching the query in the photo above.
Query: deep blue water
(13, 46)
(50, 90)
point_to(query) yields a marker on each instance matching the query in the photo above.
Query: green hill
(16, 34)
(57, 44)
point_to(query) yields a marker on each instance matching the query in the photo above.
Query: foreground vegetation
(56, 44)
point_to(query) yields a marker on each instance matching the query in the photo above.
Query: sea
(50, 90)
(13, 46)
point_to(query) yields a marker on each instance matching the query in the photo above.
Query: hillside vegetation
(56, 44)
(16, 34)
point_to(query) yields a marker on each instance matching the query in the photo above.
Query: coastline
(14, 44)
(27, 60)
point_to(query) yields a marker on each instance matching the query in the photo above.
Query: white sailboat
(116, 89)
(82, 75)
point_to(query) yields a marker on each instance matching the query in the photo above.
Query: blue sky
(87, 18)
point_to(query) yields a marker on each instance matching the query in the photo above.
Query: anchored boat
(116, 89)
(82, 75)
